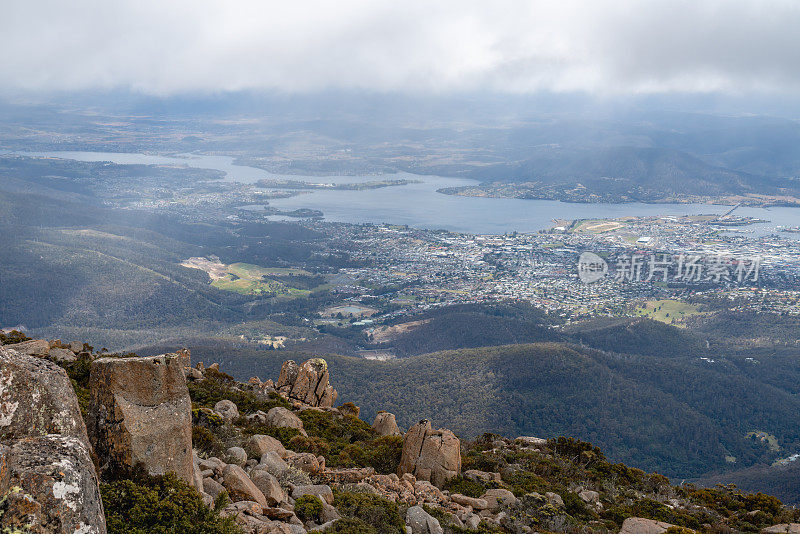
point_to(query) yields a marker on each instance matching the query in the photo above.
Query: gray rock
(51, 487)
(140, 412)
(428, 454)
(497, 498)
(385, 424)
(463, 500)
(782, 528)
(421, 522)
(307, 383)
(283, 418)
(34, 347)
(640, 525)
(273, 464)
(227, 410)
(62, 355)
(554, 499)
(269, 486)
(212, 487)
(240, 487)
(237, 456)
(318, 490)
(258, 445)
(36, 399)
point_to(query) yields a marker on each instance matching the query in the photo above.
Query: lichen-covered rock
(428, 454)
(36, 399)
(140, 413)
(269, 486)
(640, 525)
(50, 487)
(307, 383)
(385, 424)
(782, 528)
(284, 418)
(496, 498)
(227, 410)
(34, 347)
(421, 522)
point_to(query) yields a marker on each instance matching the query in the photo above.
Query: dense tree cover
(679, 415)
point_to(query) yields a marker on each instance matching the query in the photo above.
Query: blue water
(419, 205)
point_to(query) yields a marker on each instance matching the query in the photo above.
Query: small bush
(383, 454)
(350, 525)
(284, 435)
(160, 505)
(311, 444)
(205, 441)
(465, 486)
(308, 508)
(380, 513)
(15, 336)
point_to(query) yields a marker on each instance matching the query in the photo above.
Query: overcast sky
(599, 46)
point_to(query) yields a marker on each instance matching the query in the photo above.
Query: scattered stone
(227, 410)
(317, 490)
(463, 500)
(433, 455)
(307, 462)
(273, 464)
(307, 383)
(240, 487)
(140, 412)
(497, 498)
(421, 522)
(532, 441)
(284, 418)
(61, 355)
(269, 486)
(258, 445)
(212, 487)
(554, 499)
(591, 496)
(236, 455)
(482, 476)
(783, 528)
(386, 425)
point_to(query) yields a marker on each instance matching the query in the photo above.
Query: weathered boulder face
(428, 454)
(385, 424)
(140, 413)
(307, 383)
(640, 525)
(36, 399)
(51, 487)
(33, 347)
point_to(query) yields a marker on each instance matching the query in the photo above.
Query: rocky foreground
(94, 443)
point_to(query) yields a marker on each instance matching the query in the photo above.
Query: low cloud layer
(599, 46)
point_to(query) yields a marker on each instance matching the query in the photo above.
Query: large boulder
(140, 413)
(428, 454)
(36, 399)
(240, 487)
(640, 525)
(782, 528)
(385, 424)
(421, 522)
(50, 487)
(307, 383)
(33, 347)
(284, 418)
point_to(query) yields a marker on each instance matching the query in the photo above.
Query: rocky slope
(175, 448)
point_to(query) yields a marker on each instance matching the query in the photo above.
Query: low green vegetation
(379, 513)
(161, 505)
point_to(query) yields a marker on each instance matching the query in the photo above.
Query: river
(419, 205)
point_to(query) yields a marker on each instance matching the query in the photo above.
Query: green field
(249, 279)
(666, 311)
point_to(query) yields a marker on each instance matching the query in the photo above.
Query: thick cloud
(599, 46)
